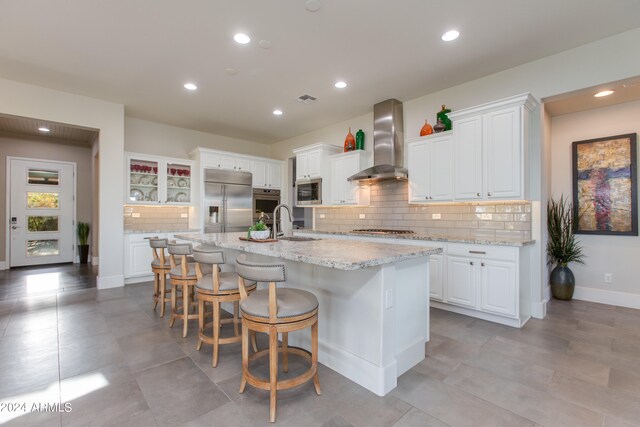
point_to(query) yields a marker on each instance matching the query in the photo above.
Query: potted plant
(562, 247)
(83, 241)
(259, 231)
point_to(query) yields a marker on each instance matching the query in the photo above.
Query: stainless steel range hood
(388, 141)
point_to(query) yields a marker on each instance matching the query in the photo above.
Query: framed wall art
(605, 185)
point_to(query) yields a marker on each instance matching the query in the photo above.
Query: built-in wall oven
(309, 191)
(265, 201)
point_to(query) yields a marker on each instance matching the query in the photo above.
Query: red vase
(349, 142)
(426, 129)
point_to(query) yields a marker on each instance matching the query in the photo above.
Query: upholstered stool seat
(167, 262)
(290, 302)
(183, 277)
(275, 311)
(160, 266)
(213, 288)
(191, 270)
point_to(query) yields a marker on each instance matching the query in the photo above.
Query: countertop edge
(422, 237)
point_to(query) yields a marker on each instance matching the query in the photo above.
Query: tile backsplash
(156, 218)
(389, 208)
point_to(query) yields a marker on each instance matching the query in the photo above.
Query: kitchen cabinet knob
(482, 264)
(234, 167)
(426, 197)
(478, 194)
(471, 263)
(489, 194)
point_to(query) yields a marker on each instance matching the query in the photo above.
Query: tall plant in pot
(83, 241)
(562, 247)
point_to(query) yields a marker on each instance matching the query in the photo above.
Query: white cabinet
(235, 163)
(430, 165)
(158, 180)
(342, 166)
(138, 255)
(490, 149)
(461, 285)
(498, 287)
(266, 174)
(436, 277)
(312, 161)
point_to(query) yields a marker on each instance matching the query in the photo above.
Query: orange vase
(349, 142)
(426, 129)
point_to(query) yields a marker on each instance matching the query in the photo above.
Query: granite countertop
(427, 237)
(184, 230)
(332, 253)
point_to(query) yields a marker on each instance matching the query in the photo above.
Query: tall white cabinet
(490, 149)
(342, 166)
(430, 162)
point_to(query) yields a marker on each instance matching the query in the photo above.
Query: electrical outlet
(321, 216)
(184, 215)
(362, 216)
(486, 216)
(135, 215)
(608, 278)
(436, 216)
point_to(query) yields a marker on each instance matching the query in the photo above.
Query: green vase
(360, 140)
(442, 116)
(562, 282)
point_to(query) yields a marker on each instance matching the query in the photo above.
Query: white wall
(603, 61)
(605, 254)
(25, 100)
(142, 136)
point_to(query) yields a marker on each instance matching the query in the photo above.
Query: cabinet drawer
(483, 251)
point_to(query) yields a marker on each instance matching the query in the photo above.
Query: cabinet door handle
(478, 194)
(482, 264)
(477, 252)
(489, 194)
(470, 262)
(426, 197)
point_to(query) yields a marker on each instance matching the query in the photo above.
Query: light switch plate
(184, 215)
(362, 216)
(321, 216)
(135, 215)
(436, 216)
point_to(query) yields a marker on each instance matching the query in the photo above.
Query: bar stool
(275, 311)
(160, 266)
(183, 276)
(215, 288)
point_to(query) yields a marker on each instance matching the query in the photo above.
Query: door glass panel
(43, 177)
(42, 248)
(36, 200)
(178, 183)
(37, 224)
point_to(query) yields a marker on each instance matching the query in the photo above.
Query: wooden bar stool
(275, 311)
(160, 266)
(183, 277)
(215, 288)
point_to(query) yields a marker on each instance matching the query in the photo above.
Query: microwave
(309, 191)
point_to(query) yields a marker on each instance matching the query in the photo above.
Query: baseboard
(3, 265)
(138, 279)
(515, 323)
(539, 310)
(94, 260)
(622, 299)
(107, 282)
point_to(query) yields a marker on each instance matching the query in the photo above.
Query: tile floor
(110, 356)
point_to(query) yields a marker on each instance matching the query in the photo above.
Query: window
(38, 224)
(43, 177)
(42, 200)
(42, 248)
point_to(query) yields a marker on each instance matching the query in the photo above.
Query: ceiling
(582, 100)
(59, 132)
(140, 53)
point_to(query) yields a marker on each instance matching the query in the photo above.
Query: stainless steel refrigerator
(228, 201)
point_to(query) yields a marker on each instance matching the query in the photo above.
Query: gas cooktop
(381, 231)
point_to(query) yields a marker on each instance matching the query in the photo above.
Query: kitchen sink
(297, 239)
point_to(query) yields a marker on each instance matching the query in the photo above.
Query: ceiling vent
(307, 99)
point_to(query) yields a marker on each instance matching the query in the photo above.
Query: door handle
(13, 227)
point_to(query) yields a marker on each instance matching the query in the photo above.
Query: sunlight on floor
(45, 282)
(72, 389)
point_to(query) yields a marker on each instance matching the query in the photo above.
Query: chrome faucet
(275, 232)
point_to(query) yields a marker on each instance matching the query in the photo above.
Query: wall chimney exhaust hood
(388, 143)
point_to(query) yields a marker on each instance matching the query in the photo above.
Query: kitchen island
(374, 300)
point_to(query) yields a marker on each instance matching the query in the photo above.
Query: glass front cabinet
(156, 180)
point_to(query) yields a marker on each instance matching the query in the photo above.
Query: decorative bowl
(260, 235)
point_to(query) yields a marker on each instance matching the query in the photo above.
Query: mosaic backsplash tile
(389, 208)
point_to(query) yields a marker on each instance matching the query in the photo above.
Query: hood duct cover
(388, 142)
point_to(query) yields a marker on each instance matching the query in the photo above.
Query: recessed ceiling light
(242, 38)
(312, 5)
(190, 86)
(231, 71)
(340, 85)
(44, 129)
(603, 93)
(277, 112)
(450, 35)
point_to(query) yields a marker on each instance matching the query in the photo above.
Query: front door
(42, 210)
